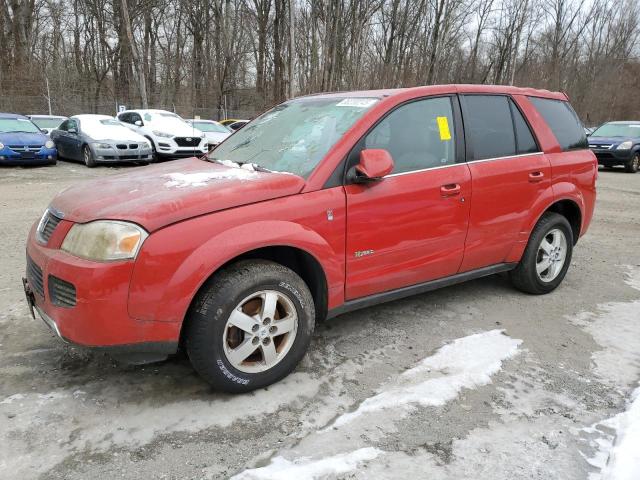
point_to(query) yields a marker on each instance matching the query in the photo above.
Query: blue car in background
(617, 143)
(22, 143)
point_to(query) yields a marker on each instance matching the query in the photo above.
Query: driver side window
(418, 135)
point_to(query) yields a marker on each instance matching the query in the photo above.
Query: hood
(611, 140)
(115, 133)
(216, 137)
(23, 138)
(161, 194)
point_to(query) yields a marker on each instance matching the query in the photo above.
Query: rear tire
(87, 156)
(632, 165)
(275, 314)
(547, 256)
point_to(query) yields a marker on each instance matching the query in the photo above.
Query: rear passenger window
(525, 142)
(418, 135)
(488, 126)
(562, 121)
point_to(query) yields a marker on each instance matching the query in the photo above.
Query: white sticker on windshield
(357, 102)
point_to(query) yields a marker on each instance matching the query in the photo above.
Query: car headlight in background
(162, 134)
(625, 145)
(104, 240)
(49, 144)
(1, 145)
(102, 145)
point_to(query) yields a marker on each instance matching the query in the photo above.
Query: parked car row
(139, 136)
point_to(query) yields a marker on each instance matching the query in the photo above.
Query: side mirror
(138, 123)
(72, 130)
(374, 165)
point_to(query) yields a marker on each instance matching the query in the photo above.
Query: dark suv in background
(617, 143)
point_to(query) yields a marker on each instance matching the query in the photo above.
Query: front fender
(164, 292)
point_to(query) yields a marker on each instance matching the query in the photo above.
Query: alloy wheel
(551, 255)
(260, 331)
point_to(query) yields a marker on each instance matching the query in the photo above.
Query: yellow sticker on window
(443, 126)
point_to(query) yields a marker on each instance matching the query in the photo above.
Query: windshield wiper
(18, 131)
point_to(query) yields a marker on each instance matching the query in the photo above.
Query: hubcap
(260, 331)
(551, 255)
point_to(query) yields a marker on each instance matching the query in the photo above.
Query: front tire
(547, 256)
(633, 165)
(249, 326)
(87, 156)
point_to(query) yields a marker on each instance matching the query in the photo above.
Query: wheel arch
(572, 212)
(305, 264)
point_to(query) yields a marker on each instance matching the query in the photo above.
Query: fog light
(2, 157)
(50, 157)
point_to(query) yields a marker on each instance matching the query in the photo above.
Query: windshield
(294, 136)
(48, 122)
(210, 127)
(618, 130)
(17, 125)
(166, 120)
(112, 122)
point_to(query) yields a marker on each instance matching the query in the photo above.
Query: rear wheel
(547, 257)
(87, 156)
(249, 326)
(632, 165)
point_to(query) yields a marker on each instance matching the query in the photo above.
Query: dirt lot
(533, 406)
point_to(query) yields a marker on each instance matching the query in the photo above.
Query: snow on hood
(166, 193)
(100, 131)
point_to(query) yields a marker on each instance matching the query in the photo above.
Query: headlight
(104, 240)
(625, 145)
(49, 144)
(162, 134)
(102, 145)
(1, 145)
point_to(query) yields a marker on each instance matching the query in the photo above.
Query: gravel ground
(536, 413)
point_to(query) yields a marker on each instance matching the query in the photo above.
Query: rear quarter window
(563, 122)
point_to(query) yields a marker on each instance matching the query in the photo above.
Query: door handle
(536, 177)
(450, 190)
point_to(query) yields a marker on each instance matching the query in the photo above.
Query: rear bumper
(99, 318)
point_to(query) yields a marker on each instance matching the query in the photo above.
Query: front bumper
(612, 157)
(167, 147)
(115, 154)
(98, 316)
(45, 156)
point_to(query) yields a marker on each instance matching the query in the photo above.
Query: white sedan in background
(214, 131)
(169, 134)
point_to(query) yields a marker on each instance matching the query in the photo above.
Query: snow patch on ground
(617, 445)
(23, 417)
(201, 179)
(467, 362)
(616, 328)
(306, 468)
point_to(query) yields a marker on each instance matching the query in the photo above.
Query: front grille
(61, 293)
(25, 148)
(601, 145)
(133, 146)
(34, 276)
(47, 226)
(604, 155)
(121, 146)
(187, 141)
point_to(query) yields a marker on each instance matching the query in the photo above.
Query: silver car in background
(214, 131)
(47, 123)
(94, 139)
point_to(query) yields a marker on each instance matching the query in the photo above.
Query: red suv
(322, 205)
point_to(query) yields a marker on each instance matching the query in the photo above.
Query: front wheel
(547, 256)
(633, 164)
(250, 326)
(87, 156)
